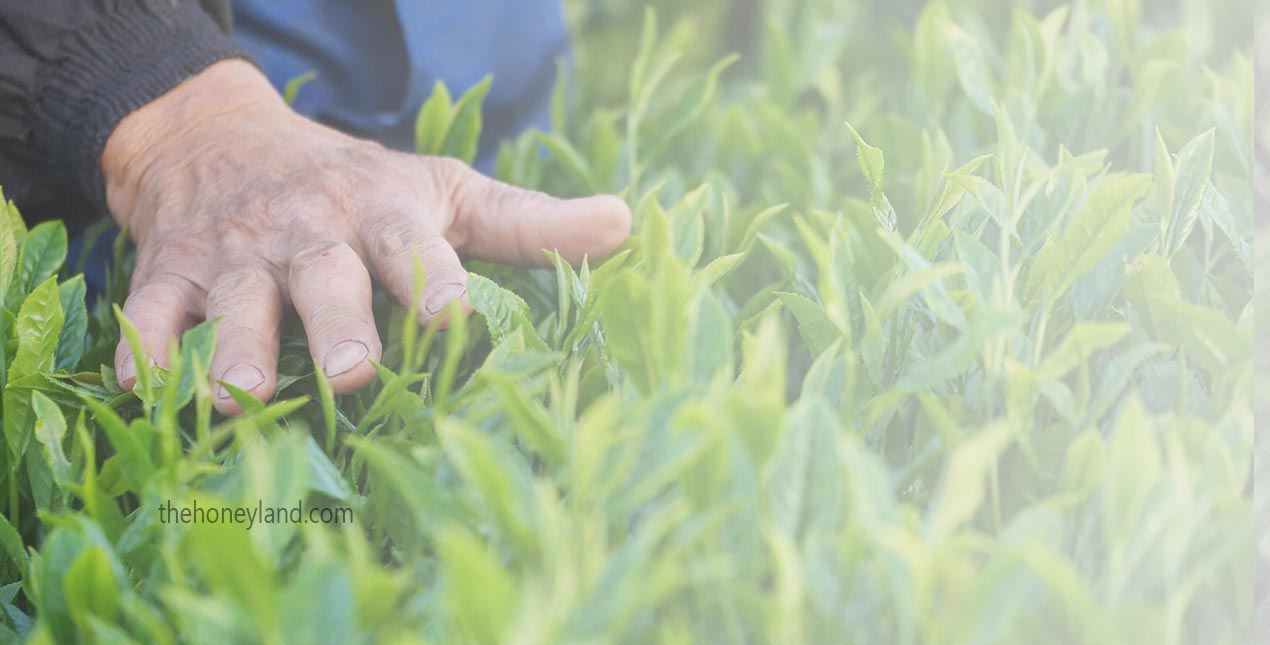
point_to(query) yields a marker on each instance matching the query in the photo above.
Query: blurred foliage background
(976, 368)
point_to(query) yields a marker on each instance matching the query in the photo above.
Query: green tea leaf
(197, 345)
(1194, 169)
(692, 105)
(292, 90)
(483, 594)
(1089, 238)
(50, 429)
(1082, 342)
(965, 479)
(1238, 230)
(960, 354)
(91, 587)
(504, 311)
(804, 471)
(433, 122)
(71, 340)
(319, 605)
(1083, 468)
(719, 268)
(528, 418)
(1210, 338)
(562, 151)
(497, 478)
(9, 258)
(1165, 178)
(464, 131)
(131, 449)
(953, 190)
(815, 326)
(43, 252)
(1134, 467)
(627, 335)
(982, 266)
(11, 543)
(873, 166)
(38, 325)
(326, 397)
(972, 66)
(711, 339)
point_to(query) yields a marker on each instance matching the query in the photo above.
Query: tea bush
(935, 327)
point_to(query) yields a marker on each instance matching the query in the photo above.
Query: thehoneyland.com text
(170, 513)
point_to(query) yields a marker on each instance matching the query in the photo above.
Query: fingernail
(243, 377)
(344, 357)
(444, 295)
(127, 370)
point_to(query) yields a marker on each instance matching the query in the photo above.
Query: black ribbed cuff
(105, 73)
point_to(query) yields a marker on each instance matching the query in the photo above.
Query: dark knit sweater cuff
(107, 72)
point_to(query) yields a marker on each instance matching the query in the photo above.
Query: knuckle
(238, 237)
(436, 277)
(232, 335)
(180, 254)
(239, 342)
(469, 191)
(332, 307)
(356, 183)
(145, 298)
(325, 256)
(433, 248)
(331, 320)
(452, 181)
(390, 241)
(449, 169)
(186, 287)
(398, 242)
(280, 206)
(240, 287)
(438, 260)
(166, 299)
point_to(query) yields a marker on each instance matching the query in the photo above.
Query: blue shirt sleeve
(377, 60)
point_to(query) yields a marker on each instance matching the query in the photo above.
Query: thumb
(503, 223)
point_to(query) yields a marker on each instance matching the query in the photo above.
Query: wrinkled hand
(238, 206)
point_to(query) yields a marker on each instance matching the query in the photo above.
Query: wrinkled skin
(239, 207)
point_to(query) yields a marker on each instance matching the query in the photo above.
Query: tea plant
(935, 327)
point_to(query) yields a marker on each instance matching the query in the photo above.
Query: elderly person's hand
(239, 206)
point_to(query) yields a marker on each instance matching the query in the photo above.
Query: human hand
(238, 207)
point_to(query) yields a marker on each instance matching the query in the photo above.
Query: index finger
(503, 223)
